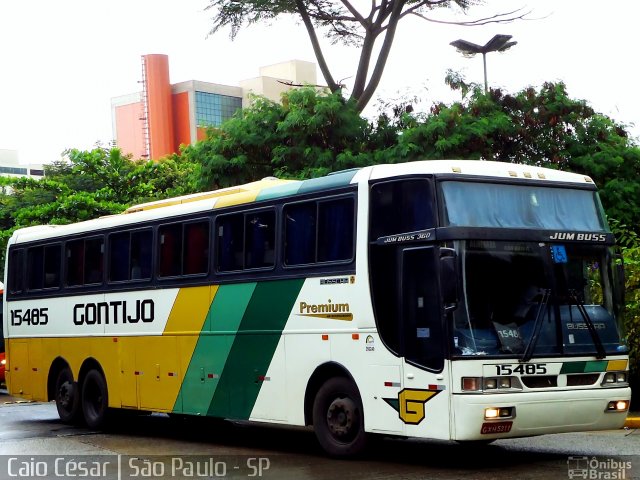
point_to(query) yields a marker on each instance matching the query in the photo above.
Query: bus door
(424, 398)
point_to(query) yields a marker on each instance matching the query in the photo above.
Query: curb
(632, 422)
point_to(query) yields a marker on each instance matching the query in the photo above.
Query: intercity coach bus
(454, 300)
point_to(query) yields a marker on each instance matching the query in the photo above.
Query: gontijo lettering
(113, 312)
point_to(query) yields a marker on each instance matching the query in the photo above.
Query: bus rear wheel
(95, 399)
(338, 418)
(67, 396)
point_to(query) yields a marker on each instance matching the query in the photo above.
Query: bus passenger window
(170, 261)
(35, 268)
(74, 263)
(84, 262)
(93, 268)
(260, 239)
(335, 230)
(141, 254)
(119, 257)
(16, 258)
(300, 233)
(52, 266)
(230, 244)
(196, 252)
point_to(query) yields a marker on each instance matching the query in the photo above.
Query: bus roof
(269, 188)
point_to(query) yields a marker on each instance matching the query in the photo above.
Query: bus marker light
(355, 336)
(325, 336)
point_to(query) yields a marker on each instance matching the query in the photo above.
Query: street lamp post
(499, 43)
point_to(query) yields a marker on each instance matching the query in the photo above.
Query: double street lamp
(499, 43)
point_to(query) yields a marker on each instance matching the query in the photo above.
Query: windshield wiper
(587, 320)
(537, 324)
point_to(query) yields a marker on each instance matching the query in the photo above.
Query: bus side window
(170, 239)
(74, 263)
(119, 257)
(196, 252)
(16, 267)
(230, 242)
(335, 230)
(35, 268)
(300, 233)
(260, 239)
(52, 266)
(141, 253)
(94, 264)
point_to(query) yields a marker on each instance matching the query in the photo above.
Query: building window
(212, 109)
(13, 170)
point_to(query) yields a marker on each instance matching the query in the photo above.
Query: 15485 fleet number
(522, 369)
(33, 316)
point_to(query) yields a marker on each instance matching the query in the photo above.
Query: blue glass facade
(212, 109)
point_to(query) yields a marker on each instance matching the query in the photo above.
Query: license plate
(496, 427)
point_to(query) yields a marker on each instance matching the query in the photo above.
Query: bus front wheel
(338, 418)
(67, 396)
(95, 399)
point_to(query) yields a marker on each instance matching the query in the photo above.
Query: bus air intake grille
(586, 379)
(539, 381)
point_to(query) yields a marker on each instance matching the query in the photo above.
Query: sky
(62, 62)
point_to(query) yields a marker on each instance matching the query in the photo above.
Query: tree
(342, 22)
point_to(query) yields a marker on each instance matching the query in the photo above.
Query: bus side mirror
(448, 278)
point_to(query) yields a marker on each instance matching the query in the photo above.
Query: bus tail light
(618, 406)
(471, 384)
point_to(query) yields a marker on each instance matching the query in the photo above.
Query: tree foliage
(89, 184)
(371, 27)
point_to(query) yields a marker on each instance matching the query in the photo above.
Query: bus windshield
(528, 299)
(474, 204)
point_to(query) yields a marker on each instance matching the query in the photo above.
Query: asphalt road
(156, 446)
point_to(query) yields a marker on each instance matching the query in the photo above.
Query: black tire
(338, 418)
(67, 396)
(95, 399)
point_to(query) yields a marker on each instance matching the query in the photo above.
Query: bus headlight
(611, 379)
(490, 383)
(618, 406)
(494, 413)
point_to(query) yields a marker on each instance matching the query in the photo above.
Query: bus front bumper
(536, 413)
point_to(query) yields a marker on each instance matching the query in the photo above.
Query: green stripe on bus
(573, 367)
(598, 366)
(584, 367)
(213, 347)
(253, 348)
